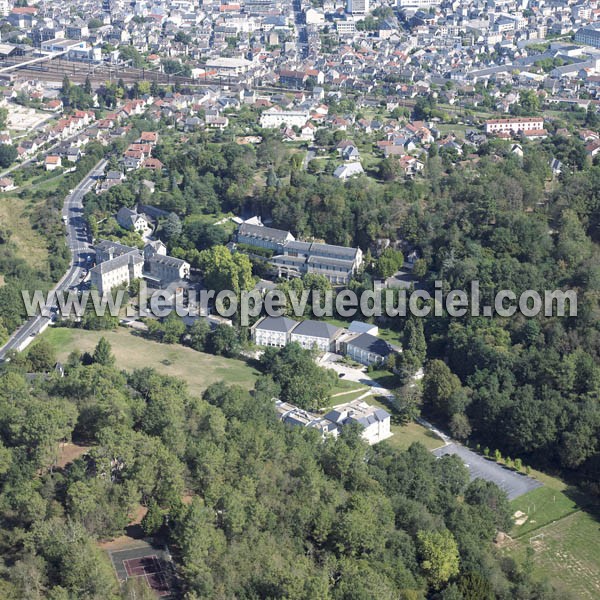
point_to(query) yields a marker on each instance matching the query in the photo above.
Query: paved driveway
(513, 483)
(331, 361)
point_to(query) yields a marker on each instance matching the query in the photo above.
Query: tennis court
(149, 563)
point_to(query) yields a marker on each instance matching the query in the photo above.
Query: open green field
(542, 506)
(199, 370)
(558, 541)
(30, 245)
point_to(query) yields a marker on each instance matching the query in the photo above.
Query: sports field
(151, 564)
(558, 539)
(131, 351)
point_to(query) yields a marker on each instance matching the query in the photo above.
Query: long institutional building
(515, 125)
(293, 257)
(589, 35)
(117, 264)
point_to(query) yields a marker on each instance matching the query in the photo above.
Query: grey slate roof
(378, 415)
(170, 261)
(268, 233)
(318, 329)
(370, 343)
(279, 324)
(132, 257)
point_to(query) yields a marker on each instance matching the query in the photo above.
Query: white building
(310, 334)
(63, 45)
(228, 66)
(132, 220)
(366, 349)
(357, 7)
(424, 4)
(345, 27)
(375, 421)
(119, 269)
(273, 331)
(297, 417)
(117, 264)
(349, 170)
(313, 16)
(274, 117)
(515, 125)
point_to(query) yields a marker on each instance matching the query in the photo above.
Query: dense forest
(274, 512)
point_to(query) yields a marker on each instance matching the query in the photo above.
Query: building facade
(357, 7)
(295, 258)
(316, 334)
(367, 349)
(590, 36)
(516, 125)
(273, 331)
(117, 264)
(376, 422)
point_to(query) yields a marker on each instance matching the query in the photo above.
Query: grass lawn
(30, 245)
(543, 505)
(384, 379)
(350, 395)
(345, 385)
(391, 336)
(559, 541)
(199, 370)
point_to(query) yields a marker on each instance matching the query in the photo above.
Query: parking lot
(513, 483)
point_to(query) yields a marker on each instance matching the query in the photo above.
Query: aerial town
(300, 299)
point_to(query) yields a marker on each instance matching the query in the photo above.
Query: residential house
(346, 171)
(133, 159)
(132, 220)
(153, 164)
(52, 162)
(6, 184)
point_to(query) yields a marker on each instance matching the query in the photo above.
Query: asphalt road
(80, 244)
(513, 483)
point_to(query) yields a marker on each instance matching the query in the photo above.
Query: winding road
(80, 245)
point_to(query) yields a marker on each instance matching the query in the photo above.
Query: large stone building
(295, 258)
(274, 117)
(375, 422)
(162, 268)
(514, 125)
(273, 331)
(366, 349)
(316, 334)
(117, 264)
(590, 36)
